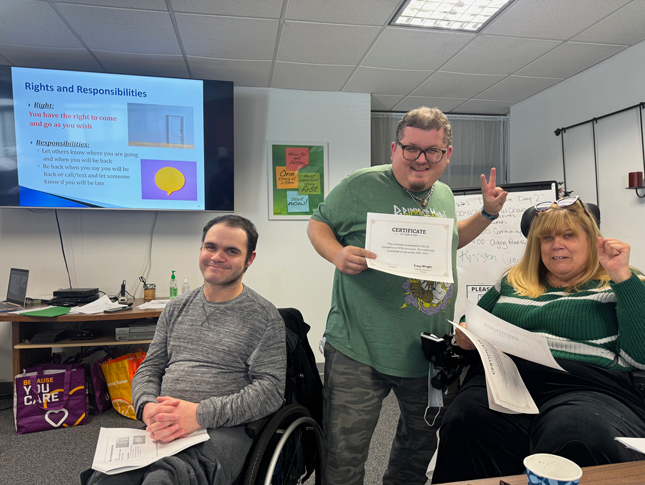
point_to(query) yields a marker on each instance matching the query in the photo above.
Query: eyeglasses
(412, 153)
(564, 202)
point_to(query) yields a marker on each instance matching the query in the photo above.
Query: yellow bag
(118, 375)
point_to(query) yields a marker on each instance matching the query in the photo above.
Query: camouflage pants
(353, 394)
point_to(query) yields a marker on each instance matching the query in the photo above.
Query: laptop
(16, 292)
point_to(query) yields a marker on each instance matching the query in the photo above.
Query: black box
(76, 292)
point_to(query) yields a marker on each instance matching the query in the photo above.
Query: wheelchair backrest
(304, 385)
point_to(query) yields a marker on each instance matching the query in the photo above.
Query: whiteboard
(482, 263)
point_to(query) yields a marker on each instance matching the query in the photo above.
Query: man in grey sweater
(217, 361)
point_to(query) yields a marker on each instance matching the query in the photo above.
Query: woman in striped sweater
(577, 289)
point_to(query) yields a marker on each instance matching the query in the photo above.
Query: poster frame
(272, 182)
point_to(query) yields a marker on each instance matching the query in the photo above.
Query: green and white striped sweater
(604, 327)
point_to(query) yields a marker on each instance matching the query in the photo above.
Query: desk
(23, 328)
(632, 473)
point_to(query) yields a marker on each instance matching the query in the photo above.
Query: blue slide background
(69, 170)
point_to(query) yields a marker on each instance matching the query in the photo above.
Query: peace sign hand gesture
(494, 197)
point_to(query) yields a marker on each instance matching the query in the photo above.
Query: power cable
(62, 247)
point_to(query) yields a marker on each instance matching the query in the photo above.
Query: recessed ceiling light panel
(466, 15)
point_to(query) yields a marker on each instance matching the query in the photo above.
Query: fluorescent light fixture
(467, 15)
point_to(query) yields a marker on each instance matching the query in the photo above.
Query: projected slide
(105, 140)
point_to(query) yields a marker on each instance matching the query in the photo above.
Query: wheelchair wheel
(287, 451)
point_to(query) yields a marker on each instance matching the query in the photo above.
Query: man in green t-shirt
(375, 321)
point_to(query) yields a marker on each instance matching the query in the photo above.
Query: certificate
(409, 246)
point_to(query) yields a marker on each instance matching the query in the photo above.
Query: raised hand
(494, 197)
(614, 257)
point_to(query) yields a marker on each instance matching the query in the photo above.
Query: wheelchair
(288, 445)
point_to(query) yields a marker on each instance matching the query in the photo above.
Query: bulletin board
(298, 178)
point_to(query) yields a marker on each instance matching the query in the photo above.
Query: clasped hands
(170, 418)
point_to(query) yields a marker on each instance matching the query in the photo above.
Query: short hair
(426, 119)
(232, 220)
(527, 277)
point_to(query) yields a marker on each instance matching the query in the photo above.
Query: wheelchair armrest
(254, 428)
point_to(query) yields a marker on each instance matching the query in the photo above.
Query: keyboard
(5, 305)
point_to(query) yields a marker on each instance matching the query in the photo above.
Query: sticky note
(297, 157)
(297, 202)
(286, 179)
(309, 183)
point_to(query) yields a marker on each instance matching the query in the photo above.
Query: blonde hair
(528, 276)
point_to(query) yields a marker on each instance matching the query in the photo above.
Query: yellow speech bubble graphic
(169, 179)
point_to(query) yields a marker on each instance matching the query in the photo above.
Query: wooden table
(26, 354)
(632, 473)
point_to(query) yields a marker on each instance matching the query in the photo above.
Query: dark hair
(231, 220)
(427, 119)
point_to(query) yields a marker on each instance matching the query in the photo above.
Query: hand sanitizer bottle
(185, 288)
(173, 286)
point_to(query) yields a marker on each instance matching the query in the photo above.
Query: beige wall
(536, 153)
(105, 247)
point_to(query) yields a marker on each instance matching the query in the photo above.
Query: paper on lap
(506, 390)
(494, 338)
(508, 337)
(124, 449)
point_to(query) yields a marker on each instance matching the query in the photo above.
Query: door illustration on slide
(175, 129)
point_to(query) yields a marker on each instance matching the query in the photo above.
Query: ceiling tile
(50, 57)
(551, 19)
(444, 104)
(385, 81)
(535, 42)
(137, 31)
(384, 102)
(242, 73)
(316, 77)
(478, 106)
(517, 88)
(374, 12)
(241, 8)
(38, 25)
(324, 43)
(431, 48)
(623, 27)
(450, 84)
(227, 37)
(498, 55)
(143, 4)
(568, 59)
(142, 64)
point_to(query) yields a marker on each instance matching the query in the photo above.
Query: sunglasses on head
(591, 210)
(564, 202)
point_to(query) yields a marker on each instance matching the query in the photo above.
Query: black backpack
(303, 385)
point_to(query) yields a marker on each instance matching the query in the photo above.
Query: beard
(419, 186)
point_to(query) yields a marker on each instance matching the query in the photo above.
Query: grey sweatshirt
(229, 357)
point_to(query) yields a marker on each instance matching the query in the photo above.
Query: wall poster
(298, 178)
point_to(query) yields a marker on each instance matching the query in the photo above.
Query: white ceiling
(329, 45)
